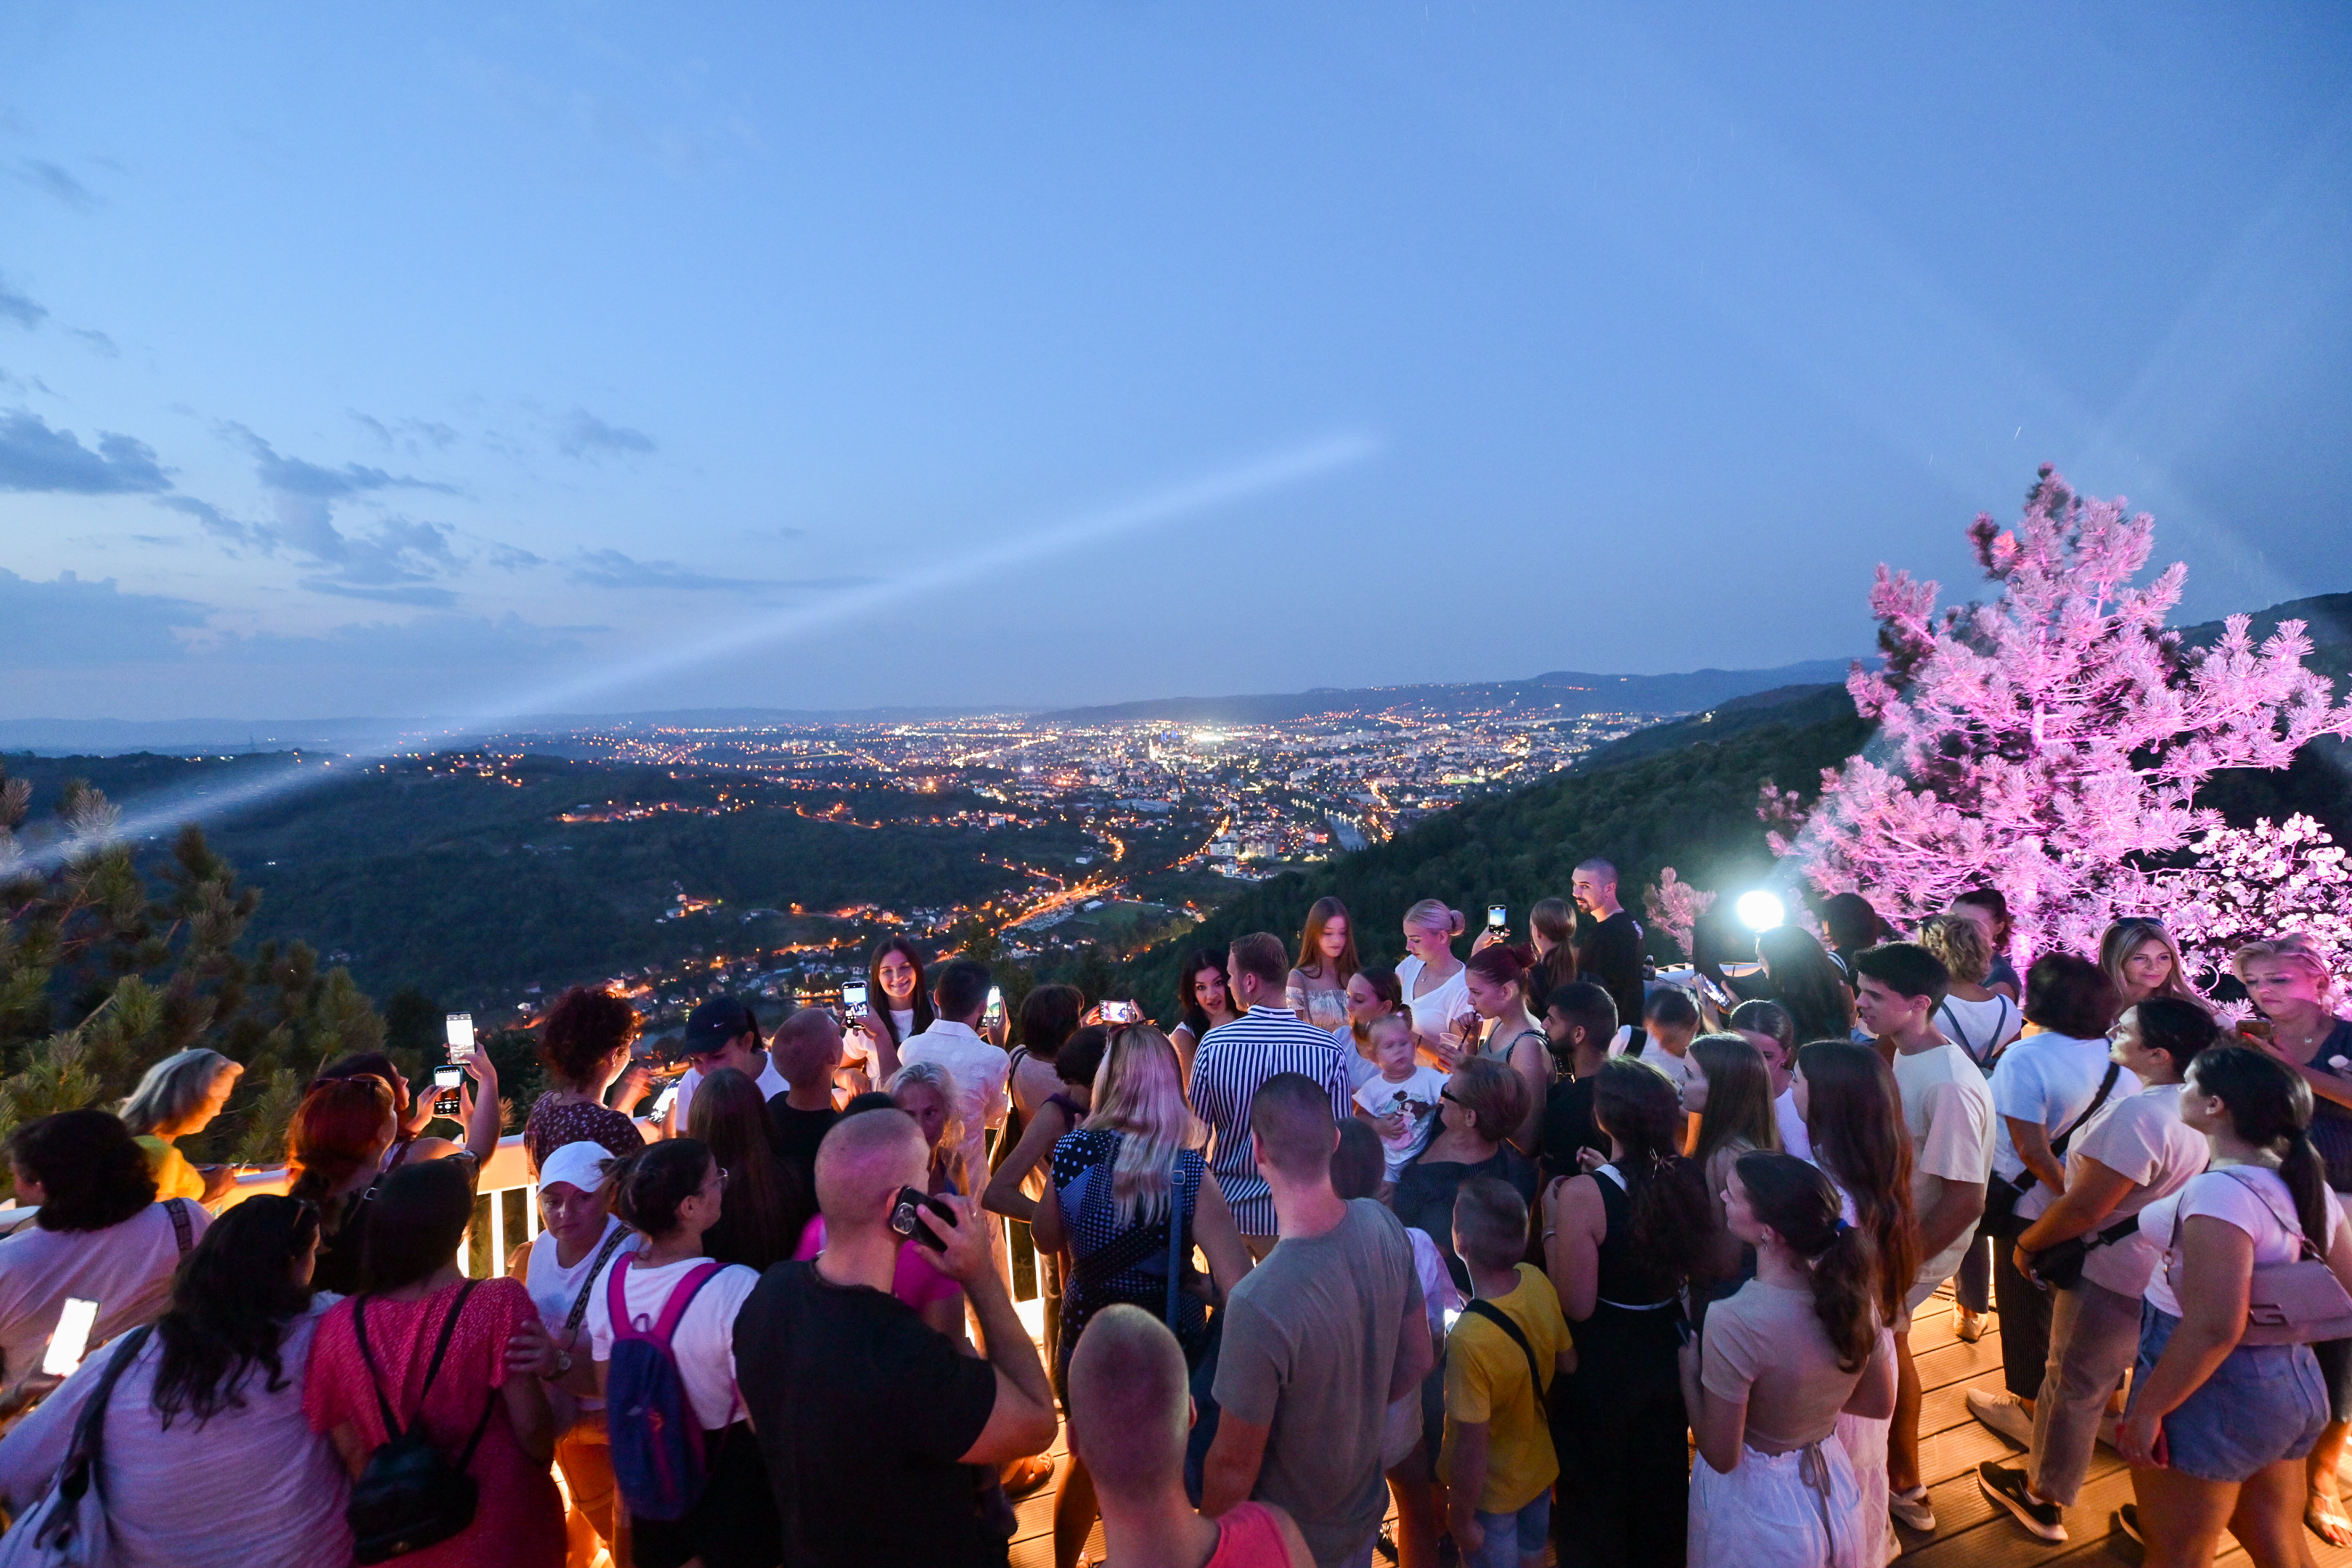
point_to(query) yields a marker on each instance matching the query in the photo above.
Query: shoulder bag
(2297, 1303)
(68, 1528)
(2003, 1192)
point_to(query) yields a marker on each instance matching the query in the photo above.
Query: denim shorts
(1512, 1536)
(2262, 1403)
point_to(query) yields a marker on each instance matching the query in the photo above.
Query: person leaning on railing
(178, 1098)
(585, 1044)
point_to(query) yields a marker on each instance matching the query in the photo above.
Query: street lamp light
(1761, 911)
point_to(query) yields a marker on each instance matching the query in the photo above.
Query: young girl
(1800, 1343)
(1730, 1092)
(1401, 1102)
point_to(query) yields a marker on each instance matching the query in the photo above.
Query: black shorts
(734, 1526)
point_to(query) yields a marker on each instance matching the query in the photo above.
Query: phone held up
(995, 1014)
(1122, 1013)
(853, 999)
(903, 1220)
(460, 1030)
(1498, 918)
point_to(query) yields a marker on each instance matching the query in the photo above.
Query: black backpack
(409, 1496)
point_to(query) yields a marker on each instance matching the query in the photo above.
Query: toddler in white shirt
(1401, 1102)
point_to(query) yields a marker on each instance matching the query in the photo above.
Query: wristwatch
(564, 1367)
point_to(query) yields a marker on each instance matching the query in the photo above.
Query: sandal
(2324, 1517)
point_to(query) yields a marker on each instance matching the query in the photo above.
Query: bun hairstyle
(1498, 965)
(1800, 1206)
(1666, 1194)
(2181, 1030)
(1434, 914)
(2269, 1107)
(649, 1185)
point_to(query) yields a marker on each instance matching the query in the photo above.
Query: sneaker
(2004, 1413)
(1913, 1509)
(2128, 1521)
(1968, 1326)
(2005, 1484)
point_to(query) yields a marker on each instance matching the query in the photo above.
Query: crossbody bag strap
(2107, 1087)
(2294, 1225)
(1175, 1242)
(184, 1230)
(1478, 1306)
(580, 1307)
(79, 1474)
(375, 1379)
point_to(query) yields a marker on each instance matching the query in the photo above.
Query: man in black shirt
(806, 1051)
(882, 1438)
(1609, 949)
(1580, 1020)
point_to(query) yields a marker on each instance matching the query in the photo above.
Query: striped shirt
(1231, 1064)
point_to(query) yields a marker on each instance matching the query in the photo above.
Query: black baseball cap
(710, 1025)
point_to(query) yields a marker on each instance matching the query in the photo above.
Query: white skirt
(1779, 1510)
(1864, 1442)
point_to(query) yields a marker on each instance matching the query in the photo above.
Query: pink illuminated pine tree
(2050, 742)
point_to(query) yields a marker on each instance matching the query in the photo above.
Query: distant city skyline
(441, 362)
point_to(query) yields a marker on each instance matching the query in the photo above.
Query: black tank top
(1625, 1278)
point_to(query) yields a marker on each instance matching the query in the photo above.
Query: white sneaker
(2004, 1413)
(1913, 1509)
(1967, 1327)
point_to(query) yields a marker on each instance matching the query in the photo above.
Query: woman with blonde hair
(2143, 960)
(926, 1090)
(1131, 1196)
(1430, 977)
(178, 1098)
(1317, 987)
(1972, 1015)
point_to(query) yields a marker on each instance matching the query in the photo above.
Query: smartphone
(460, 1027)
(995, 1014)
(1122, 1013)
(852, 998)
(446, 1081)
(69, 1337)
(668, 1097)
(1498, 918)
(903, 1220)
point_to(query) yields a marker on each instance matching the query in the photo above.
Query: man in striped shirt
(1235, 1060)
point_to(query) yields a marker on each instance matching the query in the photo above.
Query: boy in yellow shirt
(1498, 1462)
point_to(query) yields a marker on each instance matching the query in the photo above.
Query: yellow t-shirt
(1486, 1380)
(175, 1177)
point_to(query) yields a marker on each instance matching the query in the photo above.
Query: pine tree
(2050, 742)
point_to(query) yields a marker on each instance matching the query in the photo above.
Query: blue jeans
(1512, 1536)
(2262, 1404)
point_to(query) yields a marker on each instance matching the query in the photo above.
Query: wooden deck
(1972, 1531)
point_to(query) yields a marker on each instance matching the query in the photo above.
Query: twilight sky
(442, 358)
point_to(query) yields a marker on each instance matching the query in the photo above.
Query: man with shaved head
(807, 1051)
(881, 1438)
(1130, 1409)
(1609, 948)
(1319, 1339)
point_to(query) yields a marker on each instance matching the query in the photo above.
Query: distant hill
(1569, 690)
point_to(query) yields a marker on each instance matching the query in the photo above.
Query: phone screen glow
(460, 1027)
(70, 1337)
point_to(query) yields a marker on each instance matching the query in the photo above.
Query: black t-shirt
(862, 1411)
(1567, 1126)
(1611, 957)
(796, 1133)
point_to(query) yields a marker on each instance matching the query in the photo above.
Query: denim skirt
(2262, 1403)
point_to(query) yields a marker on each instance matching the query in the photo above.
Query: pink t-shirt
(917, 1282)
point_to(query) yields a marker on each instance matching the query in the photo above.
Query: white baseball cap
(582, 1164)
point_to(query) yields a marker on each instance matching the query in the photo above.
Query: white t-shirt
(1947, 1112)
(772, 1084)
(1417, 1097)
(126, 1268)
(2254, 1198)
(2139, 1137)
(1794, 1139)
(553, 1288)
(1449, 999)
(1980, 1028)
(1676, 1069)
(2050, 1079)
(704, 1343)
(251, 1487)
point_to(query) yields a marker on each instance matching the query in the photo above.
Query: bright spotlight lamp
(1761, 911)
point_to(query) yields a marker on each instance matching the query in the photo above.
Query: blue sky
(420, 359)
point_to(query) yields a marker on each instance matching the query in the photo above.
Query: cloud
(55, 181)
(469, 643)
(514, 558)
(70, 622)
(431, 598)
(774, 535)
(586, 435)
(97, 340)
(18, 308)
(297, 477)
(35, 457)
(611, 569)
(412, 436)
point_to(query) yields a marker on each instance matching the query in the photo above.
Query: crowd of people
(1522, 1253)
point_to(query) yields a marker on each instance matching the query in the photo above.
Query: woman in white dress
(1435, 992)
(1772, 1488)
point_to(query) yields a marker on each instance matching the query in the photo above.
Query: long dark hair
(94, 1175)
(1808, 983)
(648, 1185)
(2269, 1107)
(1557, 920)
(1667, 1199)
(1739, 1097)
(1310, 943)
(230, 1304)
(1768, 1018)
(879, 1000)
(1802, 1207)
(766, 1204)
(1855, 1120)
(420, 1213)
(1195, 1016)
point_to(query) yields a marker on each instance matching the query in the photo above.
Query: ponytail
(1668, 1209)
(1800, 1206)
(649, 1185)
(2269, 1105)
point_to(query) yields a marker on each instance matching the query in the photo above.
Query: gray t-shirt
(1310, 1341)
